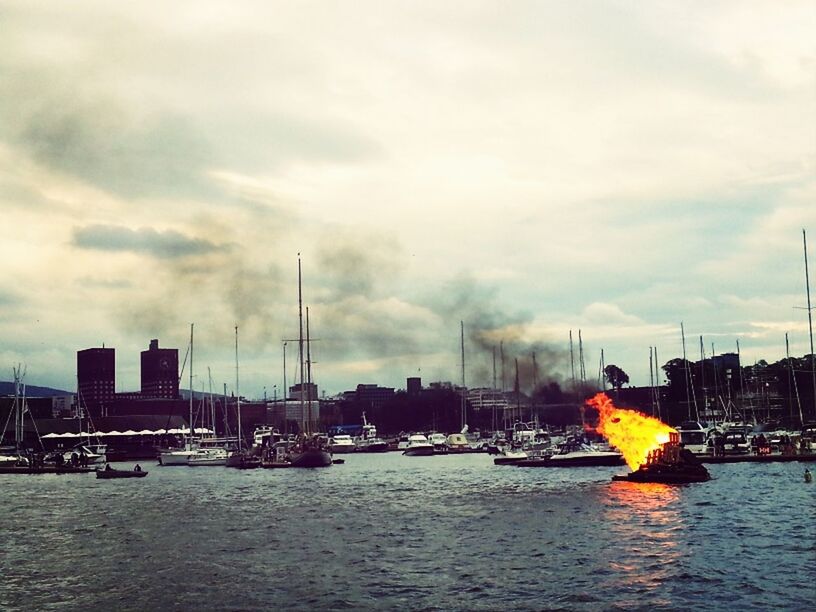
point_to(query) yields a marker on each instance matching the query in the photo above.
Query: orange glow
(634, 434)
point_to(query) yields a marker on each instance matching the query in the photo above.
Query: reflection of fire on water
(634, 434)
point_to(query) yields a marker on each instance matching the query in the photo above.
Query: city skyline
(607, 167)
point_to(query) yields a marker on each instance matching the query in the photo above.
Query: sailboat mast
(308, 370)
(464, 387)
(689, 393)
(572, 361)
(810, 322)
(191, 383)
(300, 341)
(238, 393)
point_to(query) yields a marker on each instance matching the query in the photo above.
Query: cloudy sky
(529, 168)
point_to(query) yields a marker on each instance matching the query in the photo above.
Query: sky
(525, 169)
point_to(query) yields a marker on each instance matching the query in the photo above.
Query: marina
(387, 544)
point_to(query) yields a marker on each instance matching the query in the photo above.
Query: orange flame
(634, 434)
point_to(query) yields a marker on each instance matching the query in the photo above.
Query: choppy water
(394, 532)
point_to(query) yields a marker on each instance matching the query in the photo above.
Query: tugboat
(669, 464)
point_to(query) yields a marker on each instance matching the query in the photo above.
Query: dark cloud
(490, 328)
(168, 244)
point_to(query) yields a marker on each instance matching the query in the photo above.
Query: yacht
(418, 446)
(94, 453)
(368, 441)
(458, 443)
(440, 443)
(341, 443)
(208, 456)
(693, 437)
(575, 452)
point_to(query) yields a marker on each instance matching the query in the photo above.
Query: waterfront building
(413, 386)
(96, 379)
(373, 396)
(160, 372)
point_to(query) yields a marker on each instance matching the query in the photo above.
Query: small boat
(418, 446)
(670, 464)
(510, 455)
(341, 443)
(440, 443)
(369, 441)
(458, 443)
(110, 472)
(575, 453)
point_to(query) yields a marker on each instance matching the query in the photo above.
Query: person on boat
(137, 468)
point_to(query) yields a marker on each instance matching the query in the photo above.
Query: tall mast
(516, 388)
(689, 393)
(581, 364)
(191, 383)
(501, 351)
(601, 377)
(300, 343)
(572, 362)
(494, 368)
(657, 381)
(651, 380)
(238, 393)
(464, 387)
(792, 376)
(308, 369)
(810, 322)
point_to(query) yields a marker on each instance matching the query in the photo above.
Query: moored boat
(575, 453)
(418, 446)
(110, 472)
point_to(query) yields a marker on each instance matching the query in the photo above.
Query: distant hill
(7, 388)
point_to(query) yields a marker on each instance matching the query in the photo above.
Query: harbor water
(388, 532)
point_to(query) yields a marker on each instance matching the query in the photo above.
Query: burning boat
(650, 447)
(669, 464)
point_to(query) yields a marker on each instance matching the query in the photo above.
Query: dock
(17, 469)
(780, 458)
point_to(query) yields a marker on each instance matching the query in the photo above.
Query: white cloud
(614, 167)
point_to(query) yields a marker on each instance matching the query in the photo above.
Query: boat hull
(592, 460)
(311, 458)
(110, 474)
(419, 451)
(175, 458)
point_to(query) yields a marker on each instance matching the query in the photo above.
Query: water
(416, 533)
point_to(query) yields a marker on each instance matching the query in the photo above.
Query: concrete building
(413, 386)
(160, 372)
(373, 396)
(96, 379)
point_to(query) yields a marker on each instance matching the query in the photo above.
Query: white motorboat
(93, 454)
(368, 441)
(575, 452)
(341, 443)
(440, 443)
(693, 437)
(418, 446)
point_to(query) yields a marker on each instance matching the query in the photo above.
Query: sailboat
(182, 456)
(309, 450)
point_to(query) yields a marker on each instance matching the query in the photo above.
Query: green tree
(615, 376)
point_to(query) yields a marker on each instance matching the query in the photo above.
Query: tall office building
(160, 372)
(96, 379)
